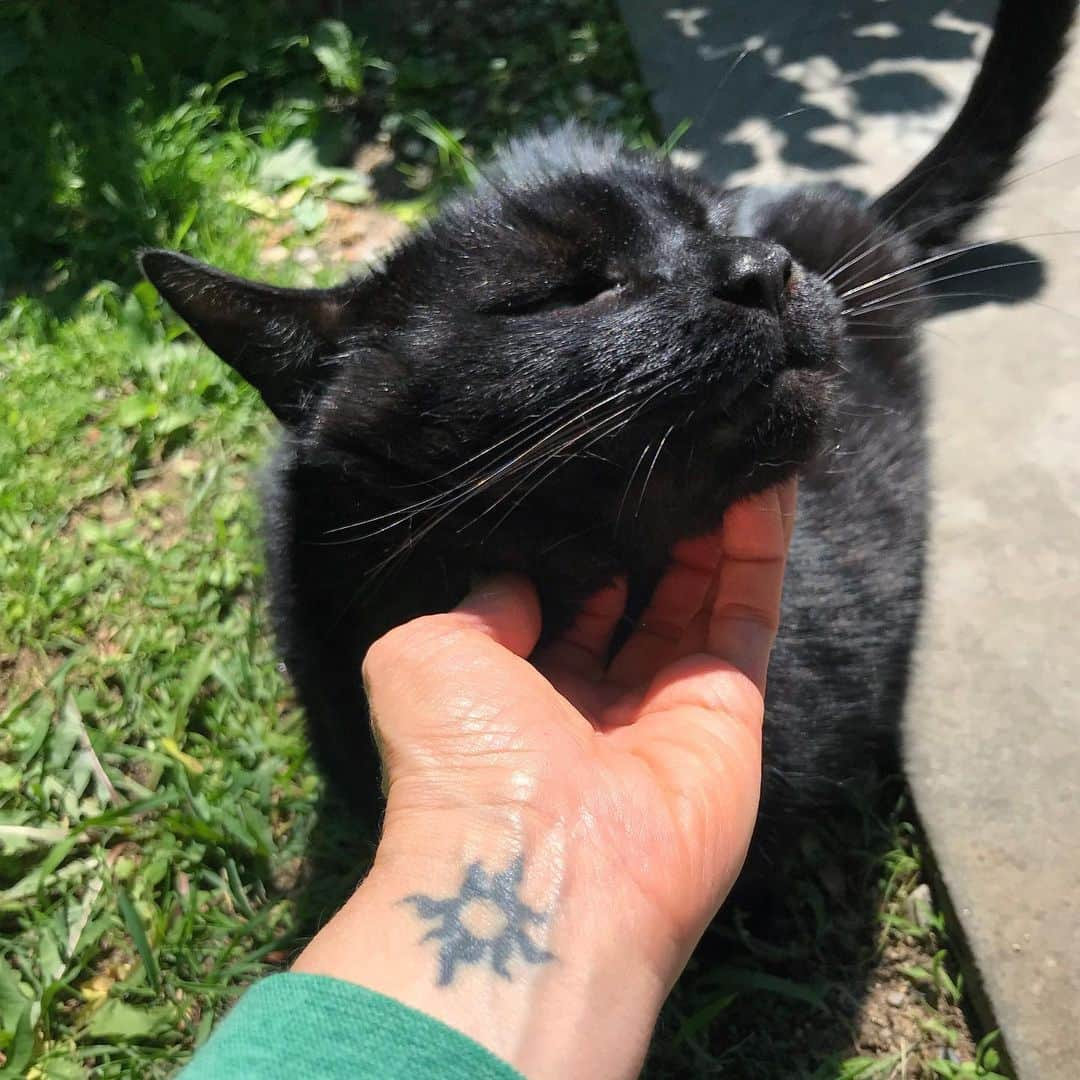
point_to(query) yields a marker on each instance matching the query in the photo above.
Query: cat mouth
(745, 408)
(799, 373)
(781, 412)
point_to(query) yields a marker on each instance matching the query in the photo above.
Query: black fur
(575, 367)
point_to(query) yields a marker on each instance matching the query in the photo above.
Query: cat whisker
(382, 567)
(913, 229)
(950, 277)
(629, 484)
(881, 337)
(434, 501)
(556, 452)
(611, 431)
(652, 467)
(889, 237)
(870, 309)
(1042, 168)
(531, 425)
(943, 256)
(693, 444)
(546, 476)
(930, 260)
(524, 463)
(635, 411)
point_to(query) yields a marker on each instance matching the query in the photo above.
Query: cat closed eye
(565, 297)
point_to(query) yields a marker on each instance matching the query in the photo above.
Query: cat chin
(786, 422)
(802, 399)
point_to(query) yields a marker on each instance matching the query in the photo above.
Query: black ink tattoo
(494, 894)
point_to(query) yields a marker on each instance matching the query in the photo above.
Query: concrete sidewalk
(857, 91)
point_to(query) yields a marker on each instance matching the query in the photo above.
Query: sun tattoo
(486, 920)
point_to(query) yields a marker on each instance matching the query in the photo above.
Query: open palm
(652, 762)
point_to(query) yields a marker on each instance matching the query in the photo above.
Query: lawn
(163, 836)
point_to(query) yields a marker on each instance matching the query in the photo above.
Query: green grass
(163, 838)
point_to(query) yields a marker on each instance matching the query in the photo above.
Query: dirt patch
(107, 642)
(352, 237)
(160, 501)
(22, 673)
(157, 503)
(897, 1017)
(359, 234)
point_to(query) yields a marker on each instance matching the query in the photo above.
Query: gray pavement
(857, 91)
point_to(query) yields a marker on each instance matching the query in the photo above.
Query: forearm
(535, 958)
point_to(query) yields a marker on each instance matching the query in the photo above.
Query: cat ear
(275, 338)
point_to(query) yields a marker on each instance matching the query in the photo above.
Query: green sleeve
(288, 1026)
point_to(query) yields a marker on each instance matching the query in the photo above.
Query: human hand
(616, 800)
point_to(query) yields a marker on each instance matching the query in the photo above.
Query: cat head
(584, 308)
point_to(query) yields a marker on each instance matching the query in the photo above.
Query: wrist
(514, 934)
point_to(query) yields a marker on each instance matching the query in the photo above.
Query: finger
(677, 599)
(788, 493)
(583, 649)
(746, 612)
(434, 679)
(505, 608)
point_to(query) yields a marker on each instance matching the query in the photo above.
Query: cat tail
(948, 188)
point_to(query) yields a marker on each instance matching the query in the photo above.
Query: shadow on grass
(776, 991)
(339, 851)
(104, 147)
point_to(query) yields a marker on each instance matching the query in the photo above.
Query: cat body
(589, 359)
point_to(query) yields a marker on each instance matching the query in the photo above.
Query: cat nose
(749, 272)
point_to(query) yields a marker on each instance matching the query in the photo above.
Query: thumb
(432, 682)
(503, 610)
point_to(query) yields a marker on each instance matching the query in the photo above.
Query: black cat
(587, 360)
